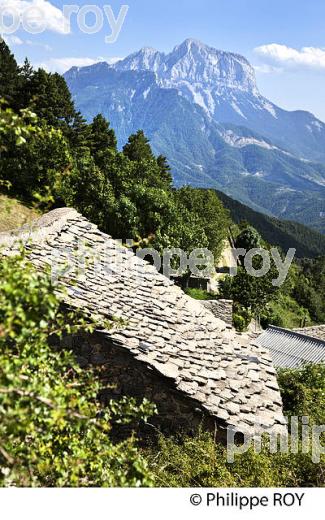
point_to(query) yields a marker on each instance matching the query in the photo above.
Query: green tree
(102, 137)
(78, 134)
(165, 169)
(26, 74)
(309, 287)
(249, 239)
(53, 431)
(51, 100)
(251, 292)
(303, 392)
(86, 188)
(10, 82)
(138, 147)
(213, 219)
(31, 162)
(15, 128)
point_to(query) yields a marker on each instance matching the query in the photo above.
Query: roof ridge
(40, 228)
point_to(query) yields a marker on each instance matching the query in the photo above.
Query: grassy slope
(14, 214)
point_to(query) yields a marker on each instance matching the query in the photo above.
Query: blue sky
(283, 39)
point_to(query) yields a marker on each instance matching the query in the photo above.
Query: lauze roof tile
(230, 380)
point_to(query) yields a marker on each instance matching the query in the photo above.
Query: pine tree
(79, 135)
(102, 137)
(138, 148)
(165, 169)
(26, 74)
(27, 70)
(51, 99)
(9, 76)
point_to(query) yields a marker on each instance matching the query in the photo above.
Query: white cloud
(13, 40)
(44, 46)
(51, 16)
(63, 64)
(313, 57)
(267, 69)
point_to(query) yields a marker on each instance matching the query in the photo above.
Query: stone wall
(122, 375)
(222, 309)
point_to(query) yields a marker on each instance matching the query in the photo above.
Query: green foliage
(214, 219)
(309, 288)
(9, 86)
(86, 188)
(33, 167)
(239, 323)
(200, 462)
(199, 294)
(249, 239)
(242, 318)
(303, 392)
(14, 128)
(53, 431)
(285, 312)
(248, 291)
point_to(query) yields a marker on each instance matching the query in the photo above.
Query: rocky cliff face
(199, 72)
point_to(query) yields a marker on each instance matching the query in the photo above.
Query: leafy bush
(285, 312)
(303, 392)
(199, 294)
(239, 323)
(53, 431)
(242, 318)
(200, 462)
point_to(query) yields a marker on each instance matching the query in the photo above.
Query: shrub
(239, 323)
(200, 462)
(242, 318)
(199, 294)
(53, 431)
(303, 392)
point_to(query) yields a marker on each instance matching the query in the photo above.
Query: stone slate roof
(167, 331)
(290, 349)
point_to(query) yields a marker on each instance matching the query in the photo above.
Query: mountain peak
(199, 71)
(147, 51)
(146, 58)
(191, 42)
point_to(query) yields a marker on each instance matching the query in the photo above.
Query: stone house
(166, 347)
